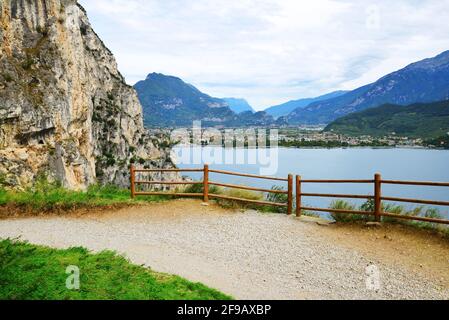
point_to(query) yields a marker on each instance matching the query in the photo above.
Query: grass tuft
(390, 208)
(46, 196)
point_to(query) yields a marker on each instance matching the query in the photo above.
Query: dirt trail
(251, 255)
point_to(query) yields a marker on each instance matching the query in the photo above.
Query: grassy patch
(45, 197)
(244, 194)
(29, 272)
(390, 208)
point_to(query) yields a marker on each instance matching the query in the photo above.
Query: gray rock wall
(65, 109)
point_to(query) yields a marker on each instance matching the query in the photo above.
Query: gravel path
(247, 255)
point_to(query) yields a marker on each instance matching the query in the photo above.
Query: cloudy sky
(270, 51)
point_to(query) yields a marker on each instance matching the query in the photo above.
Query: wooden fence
(377, 195)
(206, 183)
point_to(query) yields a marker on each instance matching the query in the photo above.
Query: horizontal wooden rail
(205, 193)
(168, 194)
(267, 203)
(234, 186)
(377, 197)
(348, 196)
(167, 170)
(431, 202)
(170, 182)
(417, 183)
(424, 219)
(337, 181)
(247, 175)
(337, 211)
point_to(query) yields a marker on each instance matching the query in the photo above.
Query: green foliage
(389, 208)
(244, 194)
(440, 142)
(7, 77)
(29, 272)
(2, 180)
(28, 63)
(310, 214)
(50, 196)
(309, 144)
(278, 198)
(328, 144)
(345, 217)
(417, 120)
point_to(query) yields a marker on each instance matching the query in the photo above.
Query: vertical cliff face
(65, 110)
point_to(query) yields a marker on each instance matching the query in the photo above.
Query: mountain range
(286, 108)
(421, 82)
(168, 101)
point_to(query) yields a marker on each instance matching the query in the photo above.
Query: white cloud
(270, 51)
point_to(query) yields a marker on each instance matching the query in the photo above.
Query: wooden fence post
(133, 182)
(298, 196)
(290, 194)
(378, 197)
(206, 183)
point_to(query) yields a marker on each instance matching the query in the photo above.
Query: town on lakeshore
(313, 136)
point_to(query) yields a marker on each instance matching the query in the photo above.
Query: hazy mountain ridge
(425, 81)
(285, 109)
(239, 105)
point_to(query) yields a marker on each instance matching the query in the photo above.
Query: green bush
(342, 205)
(7, 77)
(28, 63)
(278, 198)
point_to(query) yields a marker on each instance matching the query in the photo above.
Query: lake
(350, 163)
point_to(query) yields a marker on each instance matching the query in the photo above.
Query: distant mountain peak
(239, 105)
(430, 63)
(284, 109)
(168, 101)
(156, 75)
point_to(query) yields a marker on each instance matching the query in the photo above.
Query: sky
(270, 51)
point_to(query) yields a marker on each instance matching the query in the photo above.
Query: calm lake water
(353, 163)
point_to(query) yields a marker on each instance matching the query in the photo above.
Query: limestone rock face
(65, 109)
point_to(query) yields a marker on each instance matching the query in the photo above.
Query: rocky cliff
(65, 110)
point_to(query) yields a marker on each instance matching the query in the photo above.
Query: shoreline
(318, 147)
